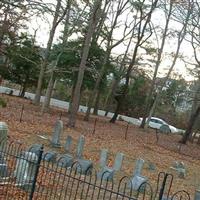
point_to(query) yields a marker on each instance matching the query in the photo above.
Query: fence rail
(27, 175)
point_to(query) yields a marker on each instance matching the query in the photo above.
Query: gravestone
(138, 167)
(68, 143)
(103, 158)
(85, 166)
(180, 168)
(49, 156)
(57, 132)
(107, 173)
(3, 135)
(197, 195)
(25, 168)
(137, 179)
(35, 148)
(80, 146)
(165, 129)
(65, 161)
(151, 166)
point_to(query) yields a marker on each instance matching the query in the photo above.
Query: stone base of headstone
(197, 195)
(49, 156)
(65, 161)
(136, 183)
(85, 166)
(35, 148)
(106, 174)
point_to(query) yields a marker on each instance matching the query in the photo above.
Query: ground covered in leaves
(160, 151)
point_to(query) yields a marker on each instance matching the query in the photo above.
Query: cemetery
(109, 151)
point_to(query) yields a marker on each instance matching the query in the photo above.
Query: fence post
(36, 173)
(163, 187)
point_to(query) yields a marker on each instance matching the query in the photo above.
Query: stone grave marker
(68, 143)
(103, 158)
(57, 132)
(49, 156)
(180, 168)
(65, 161)
(80, 146)
(107, 173)
(137, 179)
(3, 135)
(35, 148)
(25, 168)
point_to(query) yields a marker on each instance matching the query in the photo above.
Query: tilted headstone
(80, 146)
(197, 195)
(25, 168)
(107, 173)
(103, 158)
(57, 132)
(68, 143)
(137, 179)
(3, 135)
(65, 161)
(49, 156)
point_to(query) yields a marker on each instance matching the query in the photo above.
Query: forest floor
(136, 144)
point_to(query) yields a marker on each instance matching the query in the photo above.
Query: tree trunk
(48, 94)
(114, 118)
(191, 123)
(96, 104)
(82, 67)
(46, 56)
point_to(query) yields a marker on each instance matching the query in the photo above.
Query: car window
(159, 122)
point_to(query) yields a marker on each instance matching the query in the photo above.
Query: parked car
(156, 123)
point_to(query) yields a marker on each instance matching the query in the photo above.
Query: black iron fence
(23, 175)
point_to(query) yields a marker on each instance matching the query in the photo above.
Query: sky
(43, 27)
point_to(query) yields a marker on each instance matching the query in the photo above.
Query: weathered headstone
(138, 167)
(137, 179)
(3, 135)
(26, 168)
(107, 173)
(80, 146)
(65, 161)
(118, 161)
(49, 156)
(57, 132)
(68, 143)
(85, 166)
(103, 158)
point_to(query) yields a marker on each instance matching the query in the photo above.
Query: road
(65, 105)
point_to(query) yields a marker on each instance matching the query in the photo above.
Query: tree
(180, 37)
(56, 20)
(95, 14)
(142, 35)
(24, 58)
